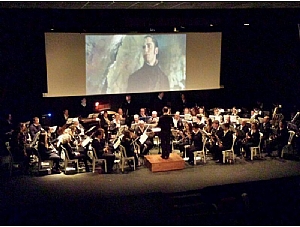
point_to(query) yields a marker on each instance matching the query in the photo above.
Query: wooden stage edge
(157, 164)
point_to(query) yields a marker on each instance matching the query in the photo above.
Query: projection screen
(97, 64)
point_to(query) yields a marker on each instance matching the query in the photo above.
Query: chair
(12, 164)
(253, 150)
(124, 158)
(95, 160)
(44, 163)
(200, 155)
(289, 144)
(65, 157)
(229, 154)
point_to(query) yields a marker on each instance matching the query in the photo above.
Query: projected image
(135, 63)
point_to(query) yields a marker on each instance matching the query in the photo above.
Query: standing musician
(252, 139)
(103, 150)
(165, 123)
(197, 143)
(147, 145)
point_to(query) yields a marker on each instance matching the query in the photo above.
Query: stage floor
(83, 196)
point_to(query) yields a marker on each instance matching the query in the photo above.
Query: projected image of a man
(149, 77)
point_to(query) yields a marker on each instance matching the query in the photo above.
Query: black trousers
(165, 140)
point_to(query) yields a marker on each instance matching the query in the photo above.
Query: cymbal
(111, 112)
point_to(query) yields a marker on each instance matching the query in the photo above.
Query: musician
(202, 112)
(135, 122)
(234, 112)
(18, 143)
(240, 137)
(143, 113)
(69, 142)
(103, 151)
(79, 129)
(183, 103)
(158, 103)
(127, 143)
(266, 130)
(128, 109)
(279, 140)
(197, 143)
(165, 123)
(84, 109)
(122, 116)
(208, 127)
(47, 150)
(225, 142)
(105, 123)
(146, 146)
(252, 139)
(62, 119)
(153, 119)
(35, 127)
(218, 115)
(214, 139)
(185, 136)
(177, 121)
(115, 124)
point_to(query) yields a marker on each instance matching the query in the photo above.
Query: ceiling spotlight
(52, 29)
(211, 25)
(152, 30)
(175, 29)
(246, 24)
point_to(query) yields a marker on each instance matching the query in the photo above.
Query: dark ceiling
(149, 5)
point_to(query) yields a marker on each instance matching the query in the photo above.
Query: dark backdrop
(259, 61)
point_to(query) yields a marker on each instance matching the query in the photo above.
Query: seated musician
(115, 124)
(224, 143)
(279, 140)
(147, 145)
(18, 143)
(177, 121)
(103, 151)
(121, 114)
(266, 130)
(202, 112)
(35, 127)
(78, 128)
(127, 143)
(153, 120)
(241, 133)
(69, 142)
(217, 114)
(135, 122)
(143, 112)
(197, 143)
(105, 123)
(252, 139)
(214, 139)
(185, 136)
(234, 112)
(47, 150)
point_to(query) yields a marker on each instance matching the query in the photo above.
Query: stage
(136, 197)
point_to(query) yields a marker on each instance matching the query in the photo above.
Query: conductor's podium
(157, 164)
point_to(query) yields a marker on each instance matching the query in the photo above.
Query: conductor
(165, 123)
